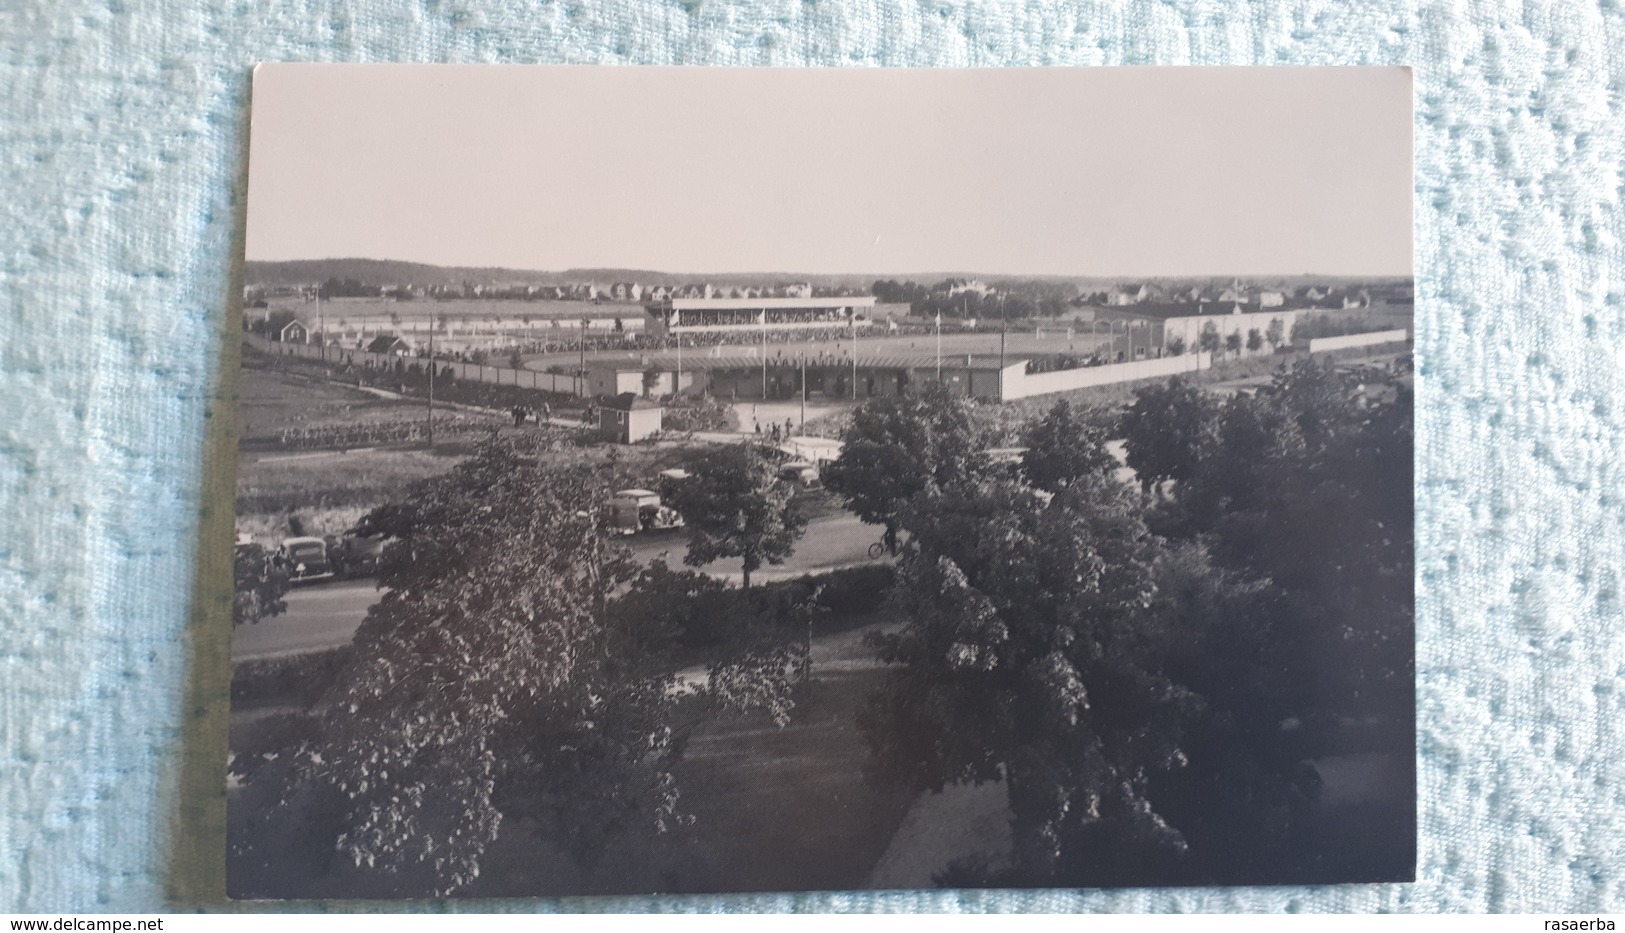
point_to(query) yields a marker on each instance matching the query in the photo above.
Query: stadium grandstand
(677, 316)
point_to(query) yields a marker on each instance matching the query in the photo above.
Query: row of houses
(1235, 293)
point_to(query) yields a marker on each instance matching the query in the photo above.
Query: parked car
(355, 555)
(801, 473)
(631, 511)
(305, 559)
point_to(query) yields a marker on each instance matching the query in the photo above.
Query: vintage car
(631, 511)
(354, 555)
(801, 473)
(305, 559)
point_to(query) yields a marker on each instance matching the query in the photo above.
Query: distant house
(657, 293)
(294, 332)
(626, 291)
(1136, 293)
(1126, 295)
(1271, 299)
(628, 418)
(389, 344)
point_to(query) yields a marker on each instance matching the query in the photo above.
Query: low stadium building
(697, 316)
(830, 377)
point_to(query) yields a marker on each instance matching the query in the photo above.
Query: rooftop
(759, 304)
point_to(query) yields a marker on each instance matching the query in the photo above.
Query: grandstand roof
(759, 304)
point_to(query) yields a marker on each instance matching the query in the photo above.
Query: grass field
(326, 490)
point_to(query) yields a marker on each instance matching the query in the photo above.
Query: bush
(855, 590)
(842, 594)
(300, 679)
(699, 413)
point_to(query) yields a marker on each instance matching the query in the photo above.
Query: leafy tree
(733, 506)
(1208, 339)
(507, 673)
(1165, 429)
(1176, 346)
(260, 585)
(1063, 447)
(1232, 343)
(516, 360)
(1255, 340)
(1275, 333)
(651, 378)
(898, 447)
(1023, 658)
(1307, 485)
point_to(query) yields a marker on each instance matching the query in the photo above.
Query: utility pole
(939, 346)
(431, 383)
(802, 358)
(764, 354)
(677, 387)
(854, 354)
(1004, 332)
(321, 322)
(581, 372)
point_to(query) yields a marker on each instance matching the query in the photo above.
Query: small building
(628, 418)
(389, 344)
(294, 332)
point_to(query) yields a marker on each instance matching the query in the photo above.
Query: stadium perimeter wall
(1026, 385)
(1322, 344)
(470, 372)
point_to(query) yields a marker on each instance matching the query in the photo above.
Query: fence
(470, 372)
(1025, 385)
(1322, 344)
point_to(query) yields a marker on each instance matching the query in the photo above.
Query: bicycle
(877, 549)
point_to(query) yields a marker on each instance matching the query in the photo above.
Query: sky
(1079, 172)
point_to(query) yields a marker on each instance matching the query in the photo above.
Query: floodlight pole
(764, 354)
(802, 358)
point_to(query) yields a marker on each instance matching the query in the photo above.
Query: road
(325, 615)
(319, 616)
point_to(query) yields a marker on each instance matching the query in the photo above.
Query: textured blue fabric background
(122, 153)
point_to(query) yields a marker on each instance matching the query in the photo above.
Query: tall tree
(899, 447)
(1063, 447)
(1022, 658)
(499, 677)
(1165, 430)
(1208, 338)
(1275, 333)
(734, 506)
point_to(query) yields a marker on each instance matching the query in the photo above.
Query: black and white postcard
(728, 480)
